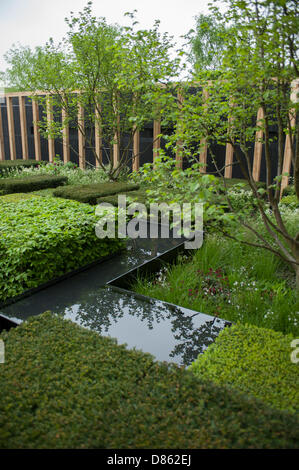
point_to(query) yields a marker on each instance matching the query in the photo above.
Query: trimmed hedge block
(132, 196)
(63, 386)
(30, 183)
(89, 193)
(7, 165)
(44, 238)
(255, 361)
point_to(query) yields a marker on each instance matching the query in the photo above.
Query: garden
(65, 386)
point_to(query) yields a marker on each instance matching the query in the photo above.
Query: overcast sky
(33, 22)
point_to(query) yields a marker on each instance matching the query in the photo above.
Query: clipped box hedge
(43, 238)
(89, 193)
(30, 183)
(8, 165)
(63, 386)
(255, 361)
(132, 196)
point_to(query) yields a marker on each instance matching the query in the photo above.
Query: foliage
(224, 278)
(7, 166)
(207, 43)
(31, 183)
(139, 196)
(71, 171)
(255, 361)
(259, 69)
(63, 386)
(119, 73)
(290, 201)
(43, 238)
(90, 193)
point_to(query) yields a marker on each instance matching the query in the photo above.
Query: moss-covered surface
(253, 360)
(90, 193)
(63, 386)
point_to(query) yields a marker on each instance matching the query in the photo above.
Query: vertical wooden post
(23, 124)
(37, 146)
(203, 156)
(81, 139)
(2, 154)
(65, 137)
(229, 158)
(287, 158)
(11, 129)
(51, 142)
(136, 144)
(156, 140)
(258, 147)
(98, 137)
(229, 152)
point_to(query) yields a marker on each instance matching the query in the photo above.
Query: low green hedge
(289, 190)
(132, 196)
(30, 183)
(43, 238)
(63, 386)
(89, 193)
(255, 361)
(8, 165)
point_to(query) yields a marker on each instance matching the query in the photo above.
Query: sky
(33, 22)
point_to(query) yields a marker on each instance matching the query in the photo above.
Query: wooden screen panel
(51, 141)
(81, 138)
(2, 154)
(258, 148)
(136, 150)
(203, 143)
(37, 145)
(11, 129)
(287, 158)
(65, 137)
(23, 125)
(98, 138)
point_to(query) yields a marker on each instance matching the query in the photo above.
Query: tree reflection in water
(191, 332)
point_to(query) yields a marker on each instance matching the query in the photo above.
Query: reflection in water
(169, 332)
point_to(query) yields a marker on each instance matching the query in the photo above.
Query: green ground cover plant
(227, 279)
(139, 196)
(90, 193)
(30, 183)
(63, 386)
(43, 238)
(71, 171)
(255, 361)
(10, 166)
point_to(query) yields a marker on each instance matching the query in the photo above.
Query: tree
(259, 63)
(115, 74)
(207, 43)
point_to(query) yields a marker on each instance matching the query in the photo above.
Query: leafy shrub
(90, 193)
(255, 361)
(290, 201)
(74, 174)
(289, 190)
(7, 166)
(32, 183)
(43, 238)
(63, 386)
